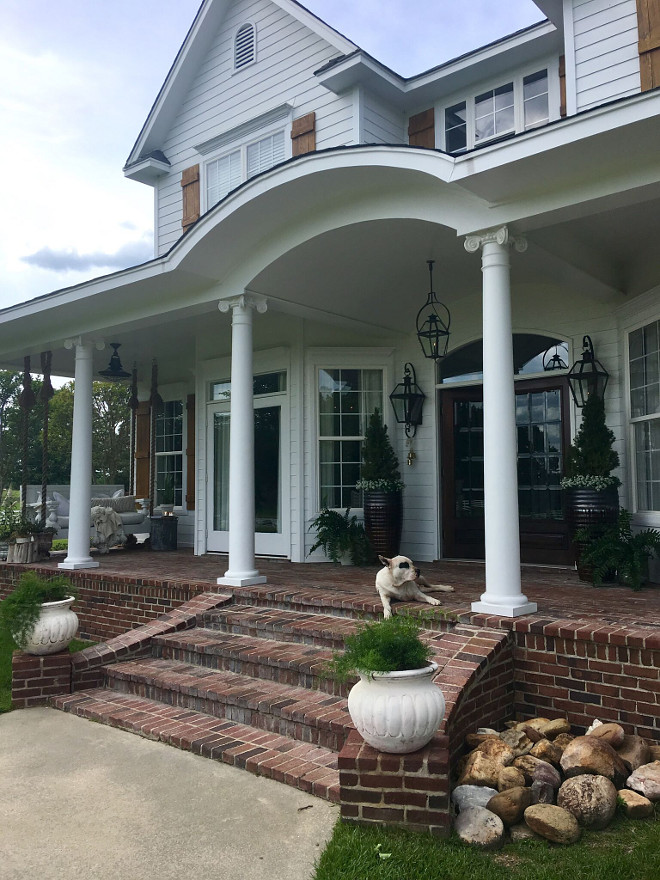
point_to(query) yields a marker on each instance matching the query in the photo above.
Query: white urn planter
(397, 712)
(56, 627)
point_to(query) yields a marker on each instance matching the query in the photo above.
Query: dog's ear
(385, 560)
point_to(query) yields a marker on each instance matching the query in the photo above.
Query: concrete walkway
(80, 800)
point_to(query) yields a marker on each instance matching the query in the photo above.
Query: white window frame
(550, 65)
(340, 359)
(181, 399)
(643, 517)
(241, 147)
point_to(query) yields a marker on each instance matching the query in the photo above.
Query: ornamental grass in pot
(395, 706)
(37, 614)
(381, 484)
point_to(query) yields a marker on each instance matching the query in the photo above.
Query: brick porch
(237, 675)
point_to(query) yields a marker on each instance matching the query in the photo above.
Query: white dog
(399, 579)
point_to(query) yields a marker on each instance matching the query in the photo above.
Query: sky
(79, 78)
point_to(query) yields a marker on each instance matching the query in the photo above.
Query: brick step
(285, 662)
(311, 716)
(307, 628)
(343, 604)
(303, 766)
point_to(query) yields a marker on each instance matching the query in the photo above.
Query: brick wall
(109, 605)
(34, 680)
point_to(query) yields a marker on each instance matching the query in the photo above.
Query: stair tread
(299, 622)
(297, 703)
(307, 767)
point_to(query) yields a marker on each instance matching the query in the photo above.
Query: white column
(80, 490)
(241, 571)
(503, 594)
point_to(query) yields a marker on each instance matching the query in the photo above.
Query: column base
(516, 607)
(241, 579)
(73, 564)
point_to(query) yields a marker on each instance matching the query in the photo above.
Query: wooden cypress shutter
(190, 452)
(303, 134)
(648, 25)
(191, 196)
(142, 449)
(562, 86)
(421, 129)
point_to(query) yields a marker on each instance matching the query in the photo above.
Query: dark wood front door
(542, 424)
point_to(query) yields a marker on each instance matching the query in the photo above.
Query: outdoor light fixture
(555, 362)
(407, 400)
(587, 376)
(115, 372)
(432, 329)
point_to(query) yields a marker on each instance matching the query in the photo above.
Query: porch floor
(559, 594)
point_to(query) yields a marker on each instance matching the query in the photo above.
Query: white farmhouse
(300, 189)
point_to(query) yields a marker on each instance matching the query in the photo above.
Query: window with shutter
(265, 153)
(245, 46)
(229, 171)
(222, 175)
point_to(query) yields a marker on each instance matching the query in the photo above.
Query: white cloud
(131, 254)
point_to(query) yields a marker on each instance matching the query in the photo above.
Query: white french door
(271, 483)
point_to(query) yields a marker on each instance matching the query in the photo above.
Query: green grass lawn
(7, 647)
(627, 850)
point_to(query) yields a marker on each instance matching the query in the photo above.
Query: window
(264, 383)
(169, 451)
(504, 110)
(347, 397)
(245, 46)
(229, 171)
(644, 367)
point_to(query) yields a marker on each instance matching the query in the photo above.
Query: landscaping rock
(480, 827)
(497, 751)
(480, 770)
(634, 752)
(536, 723)
(611, 733)
(518, 741)
(533, 768)
(548, 751)
(466, 796)
(563, 740)
(511, 804)
(589, 754)
(553, 728)
(472, 740)
(634, 805)
(591, 799)
(553, 823)
(646, 780)
(532, 732)
(522, 832)
(654, 750)
(510, 777)
(542, 793)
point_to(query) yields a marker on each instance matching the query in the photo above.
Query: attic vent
(244, 46)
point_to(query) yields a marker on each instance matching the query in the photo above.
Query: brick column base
(407, 790)
(35, 679)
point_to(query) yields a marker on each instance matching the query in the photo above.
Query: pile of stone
(536, 779)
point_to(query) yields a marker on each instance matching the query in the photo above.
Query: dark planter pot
(164, 532)
(594, 509)
(383, 521)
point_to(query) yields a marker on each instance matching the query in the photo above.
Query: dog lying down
(399, 580)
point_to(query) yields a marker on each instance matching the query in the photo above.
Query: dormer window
(245, 46)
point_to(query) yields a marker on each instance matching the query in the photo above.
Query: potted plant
(167, 496)
(591, 497)
(381, 484)
(341, 537)
(37, 614)
(619, 552)
(395, 705)
(24, 540)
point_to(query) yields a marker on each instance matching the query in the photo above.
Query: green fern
(20, 610)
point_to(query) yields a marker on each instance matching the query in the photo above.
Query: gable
(214, 18)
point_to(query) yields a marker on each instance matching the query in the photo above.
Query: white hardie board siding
(288, 53)
(381, 124)
(606, 58)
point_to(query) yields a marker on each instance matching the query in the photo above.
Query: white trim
(570, 67)
(238, 133)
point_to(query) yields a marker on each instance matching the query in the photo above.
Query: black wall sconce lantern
(433, 328)
(407, 401)
(115, 372)
(587, 376)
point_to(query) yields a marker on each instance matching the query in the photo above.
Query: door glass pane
(268, 514)
(221, 472)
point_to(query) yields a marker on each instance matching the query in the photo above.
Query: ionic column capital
(244, 301)
(500, 235)
(75, 341)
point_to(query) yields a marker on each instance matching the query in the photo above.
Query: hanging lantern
(433, 321)
(587, 376)
(407, 401)
(555, 362)
(115, 372)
